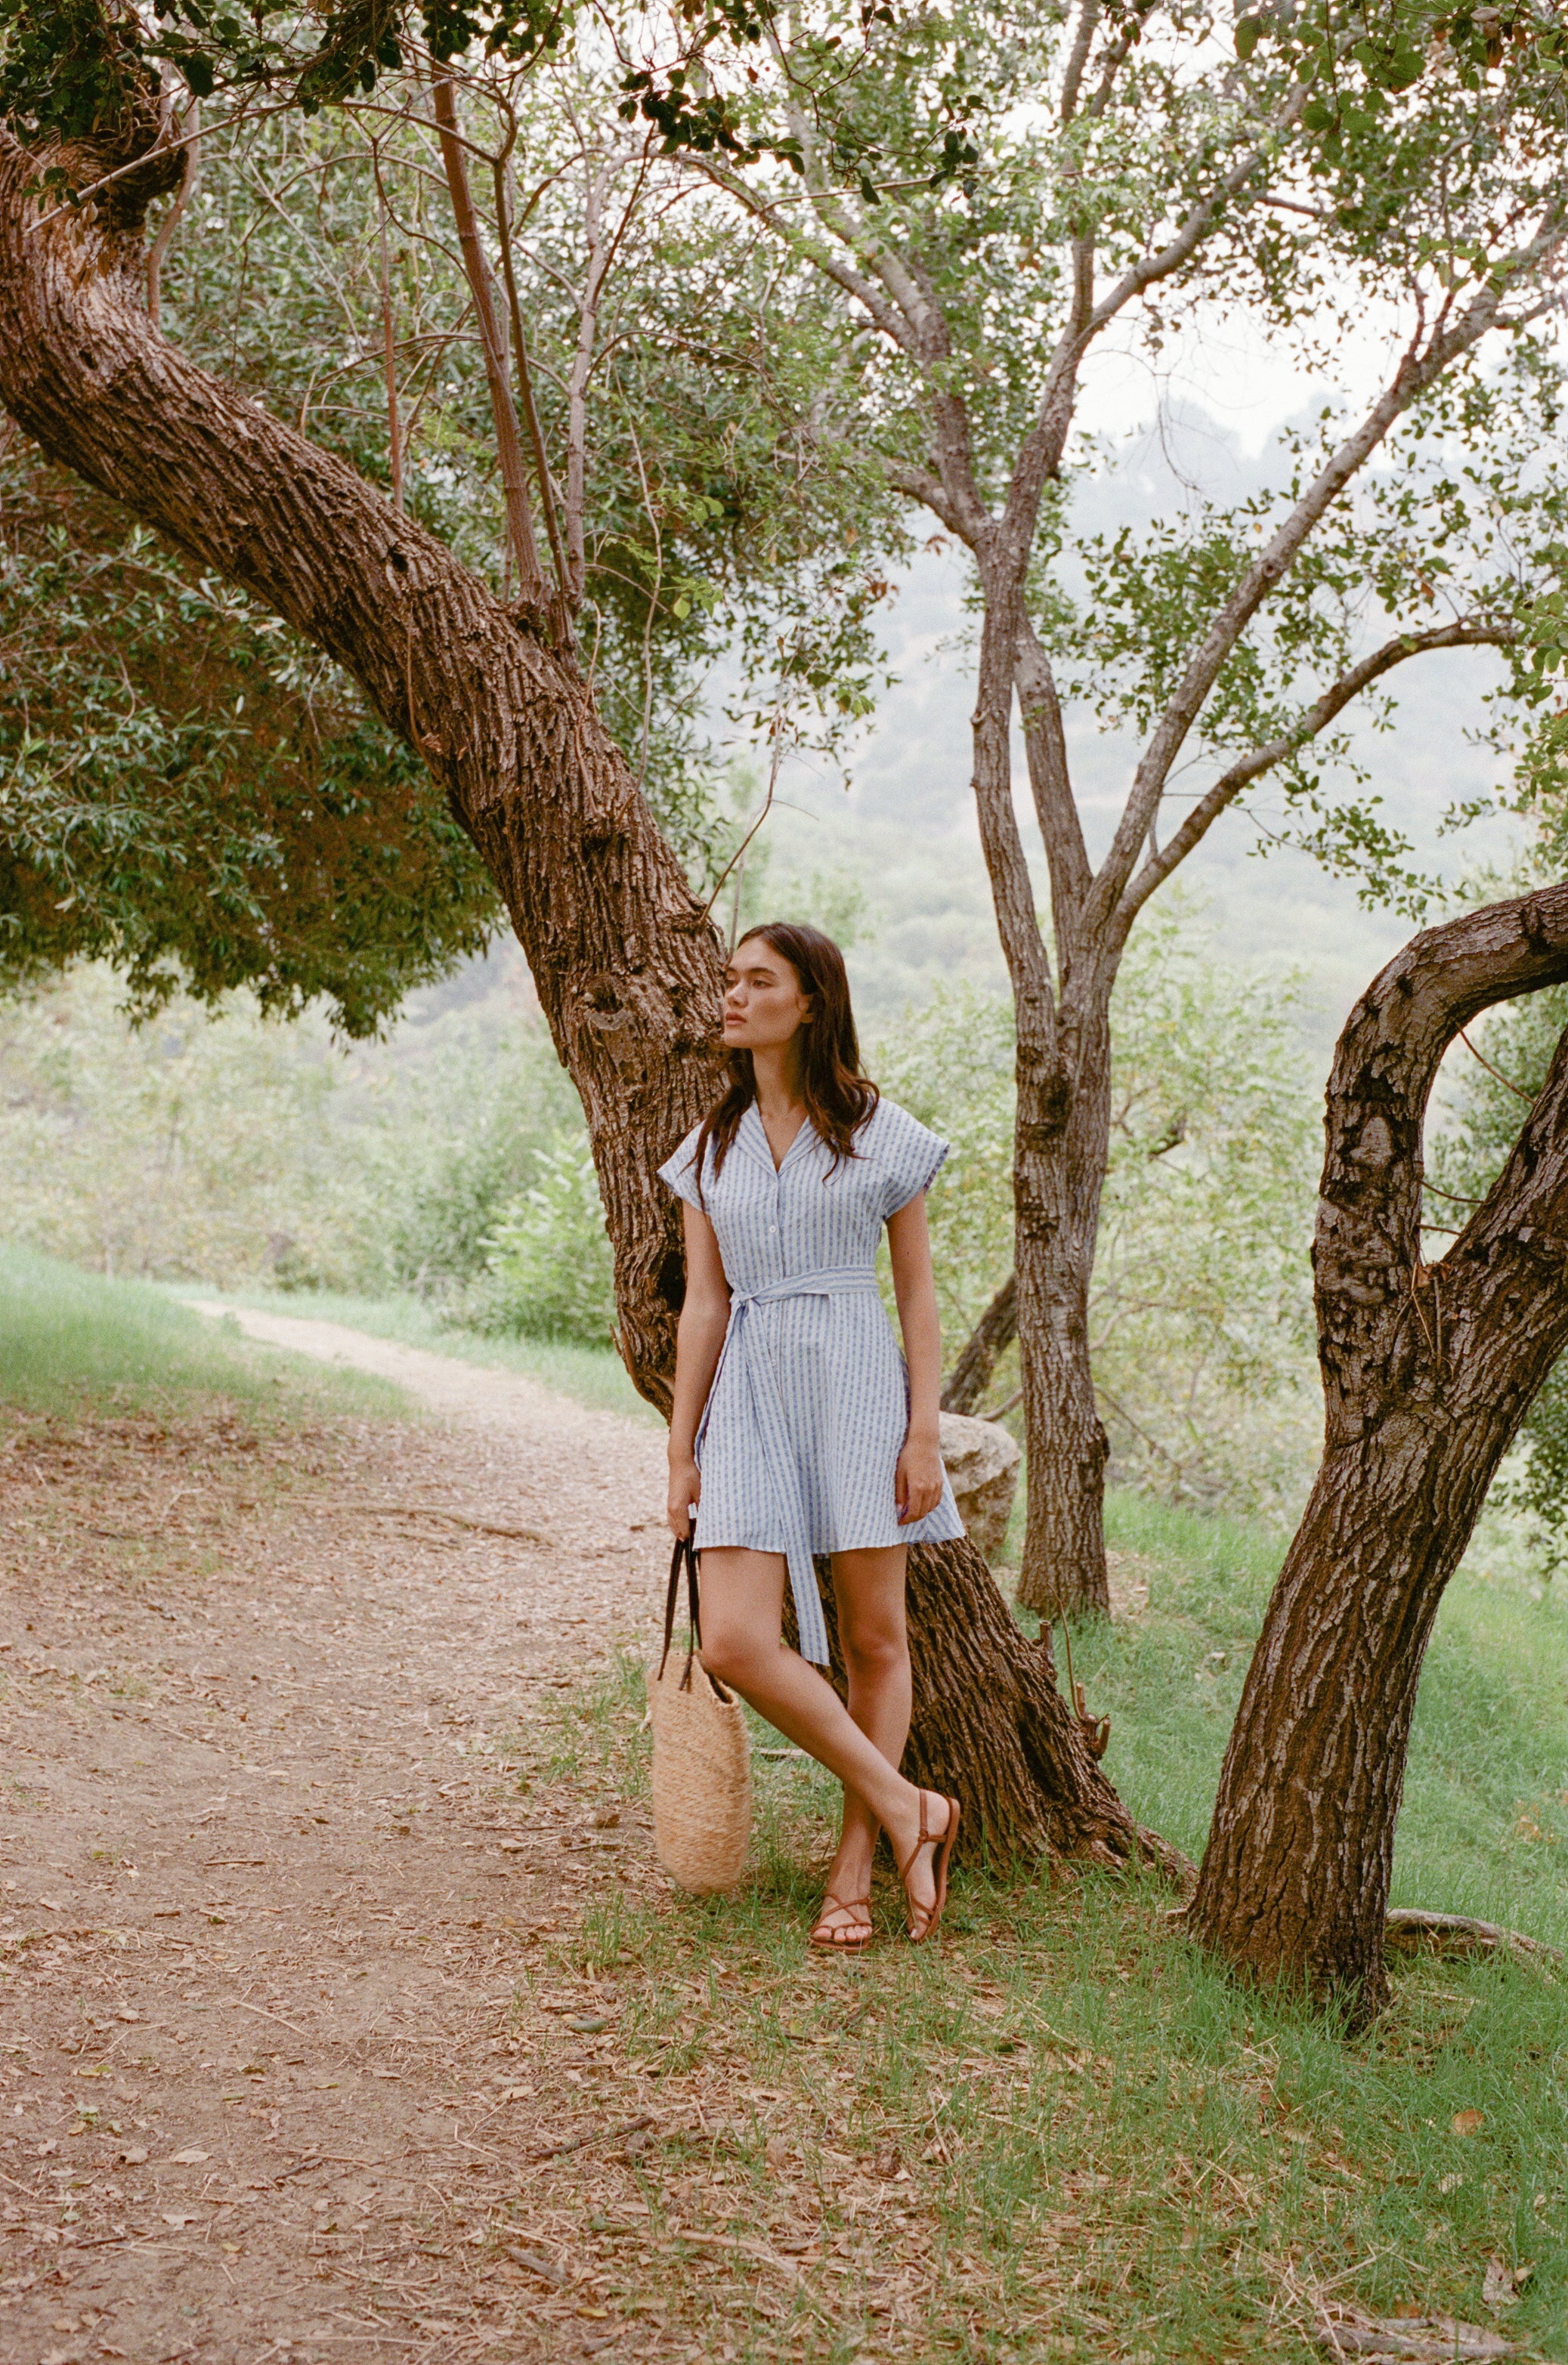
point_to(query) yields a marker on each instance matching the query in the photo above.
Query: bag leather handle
(683, 1552)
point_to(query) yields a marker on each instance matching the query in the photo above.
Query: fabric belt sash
(744, 1344)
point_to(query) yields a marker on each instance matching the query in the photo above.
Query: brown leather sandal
(943, 1843)
(850, 1940)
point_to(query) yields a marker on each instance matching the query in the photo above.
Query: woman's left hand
(917, 1482)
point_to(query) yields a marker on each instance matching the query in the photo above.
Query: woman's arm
(918, 1485)
(699, 1342)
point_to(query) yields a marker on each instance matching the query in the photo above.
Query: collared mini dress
(806, 1417)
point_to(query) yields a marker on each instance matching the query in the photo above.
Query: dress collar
(752, 1137)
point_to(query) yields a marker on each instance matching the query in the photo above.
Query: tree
(994, 199)
(178, 754)
(195, 794)
(494, 697)
(1428, 1372)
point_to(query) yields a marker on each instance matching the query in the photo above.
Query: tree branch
(532, 586)
(531, 410)
(852, 282)
(1417, 371)
(995, 1331)
(1370, 1279)
(1040, 455)
(966, 519)
(1056, 808)
(1247, 769)
(1071, 81)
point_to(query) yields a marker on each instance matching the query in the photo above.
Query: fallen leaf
(136, 2156)
(104, 2350)
(588, 2023)
(1498, 2284)
(125, 2015)
(1451, 2182)
(1465, 2123)
(192, 2158)
(52, 1904)
(179, 2217)
(1497, 2287)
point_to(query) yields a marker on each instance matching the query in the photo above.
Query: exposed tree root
(1407, 1931)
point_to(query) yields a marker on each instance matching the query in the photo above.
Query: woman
(796, 1428)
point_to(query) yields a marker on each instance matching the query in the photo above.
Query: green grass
(73, 1344)
(589, 1376)
(1483, 1825)
(1088, 2141)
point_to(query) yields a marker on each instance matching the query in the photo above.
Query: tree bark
(627, 968)
(1428, 1372)
(1063, 1144)
(995, 1331)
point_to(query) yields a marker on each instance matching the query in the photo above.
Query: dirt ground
(268, 2089)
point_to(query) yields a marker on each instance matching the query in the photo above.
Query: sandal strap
(925, 1839)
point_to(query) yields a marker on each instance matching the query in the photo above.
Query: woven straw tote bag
(701, 1757)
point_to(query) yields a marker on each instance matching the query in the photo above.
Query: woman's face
(764, 1006)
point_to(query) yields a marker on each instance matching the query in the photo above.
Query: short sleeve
(680, 1171)
(910, 1155)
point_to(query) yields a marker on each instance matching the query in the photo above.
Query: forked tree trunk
(627, 968)
(1428, 1372)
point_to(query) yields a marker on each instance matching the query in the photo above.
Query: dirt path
(269, 1878)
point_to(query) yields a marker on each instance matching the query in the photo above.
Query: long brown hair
(838, 1097)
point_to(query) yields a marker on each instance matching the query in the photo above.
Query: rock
(981, 1460)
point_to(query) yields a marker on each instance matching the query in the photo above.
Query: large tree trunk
(627, 968)
(1428, 1372)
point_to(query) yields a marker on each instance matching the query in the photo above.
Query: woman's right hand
(685, 1492)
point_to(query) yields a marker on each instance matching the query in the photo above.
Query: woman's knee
(730, 1651)
(873, 1645)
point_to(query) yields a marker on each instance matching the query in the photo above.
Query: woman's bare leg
(869, 1587)
(742, 1600)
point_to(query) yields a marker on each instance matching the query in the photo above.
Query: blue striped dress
(807, 1414)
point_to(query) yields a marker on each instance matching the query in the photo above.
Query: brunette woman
(797, 1428)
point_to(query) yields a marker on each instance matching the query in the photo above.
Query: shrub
(550, 1272)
